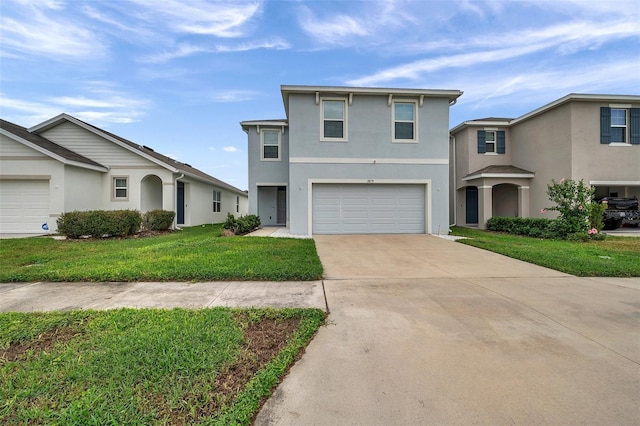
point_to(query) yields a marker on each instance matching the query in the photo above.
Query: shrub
(98, 223)
(530, 227)
(241, 225)
(572, 201)
(158, 220)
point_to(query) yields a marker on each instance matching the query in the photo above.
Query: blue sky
(179, 75)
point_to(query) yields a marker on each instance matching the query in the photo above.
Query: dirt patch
(43, 343)
(263, 340)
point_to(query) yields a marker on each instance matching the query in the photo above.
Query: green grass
(193, 254)
(138, 367)
(612, 257)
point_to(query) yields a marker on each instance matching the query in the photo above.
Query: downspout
(455, 182)
(175, 201)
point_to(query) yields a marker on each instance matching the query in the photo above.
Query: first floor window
(237, 204)
(270, 145)
(404, 121)
(120, 188)
(217, 201)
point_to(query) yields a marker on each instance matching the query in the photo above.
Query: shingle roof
(182, 167)
(46, 144)
(185, 168)
(496, 169)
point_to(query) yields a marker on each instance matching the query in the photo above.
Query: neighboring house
(501, 166)
(352, 160)
(65, 164)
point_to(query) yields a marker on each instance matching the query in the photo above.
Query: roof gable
(45, 146)
(141, 150)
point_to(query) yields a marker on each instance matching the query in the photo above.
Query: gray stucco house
(353, 160)
(502, 166)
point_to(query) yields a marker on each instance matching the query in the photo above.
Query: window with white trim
(217, 201)
(120, 188)
(404, 121)
(334, 119)
(490, 141)
(620, 125)
(270, 141)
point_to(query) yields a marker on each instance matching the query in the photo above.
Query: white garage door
(368, 209)
(24, 206)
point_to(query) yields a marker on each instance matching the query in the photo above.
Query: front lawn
(193, 254)
(137, 367)
(613, 257)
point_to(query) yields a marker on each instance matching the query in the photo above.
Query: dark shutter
(605, 125)
(501, 141)
(634, 114)
(482, 141)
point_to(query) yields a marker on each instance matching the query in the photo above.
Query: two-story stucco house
(353, 160)
(65, 164)
(502, 166)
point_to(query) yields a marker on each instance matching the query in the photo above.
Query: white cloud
(220, 19)
(233, 95)
(229, 149)
(564, 39)
(29, 30)
(276, 44)
(180, 51)
(332, 30)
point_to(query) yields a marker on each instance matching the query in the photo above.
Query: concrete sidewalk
(425, 331)
(26, 297)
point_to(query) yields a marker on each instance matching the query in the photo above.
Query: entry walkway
(425, 331)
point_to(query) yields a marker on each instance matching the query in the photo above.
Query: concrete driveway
(428, 331)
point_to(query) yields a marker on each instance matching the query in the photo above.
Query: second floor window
(619, 125)
(270, 145)
(334, 123)
(491, 142)
(217, 201)
(404, 121)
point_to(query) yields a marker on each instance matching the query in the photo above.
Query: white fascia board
(62, 117)
(577, 97)
(498, 175)
(328, 160)
(480, 123)
(451, 94)
(615, 182)
(52, 154)
(274, 123)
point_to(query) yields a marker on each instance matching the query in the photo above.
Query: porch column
(485, 205)
(524, 209)
(168, 196)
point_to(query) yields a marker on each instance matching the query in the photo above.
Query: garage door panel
(24, 205)
(362, 209)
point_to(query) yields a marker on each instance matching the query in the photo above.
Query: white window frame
(262, 144)
(415, 120)
(627, 139)
(115, 188)
(494, 142)
(217, 201)
(345, 120)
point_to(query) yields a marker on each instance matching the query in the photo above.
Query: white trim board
(329, 160)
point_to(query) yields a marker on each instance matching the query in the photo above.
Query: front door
(472, 204)
(180, 201)
(281, 205)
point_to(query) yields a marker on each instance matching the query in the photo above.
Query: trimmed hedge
(530, 227)
(99, 223)
(243, 224)
(157, 220)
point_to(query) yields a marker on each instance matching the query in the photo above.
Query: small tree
(572, 200)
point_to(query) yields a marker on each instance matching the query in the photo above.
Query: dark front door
(281, 206)
(180, 206)
(472, 204)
